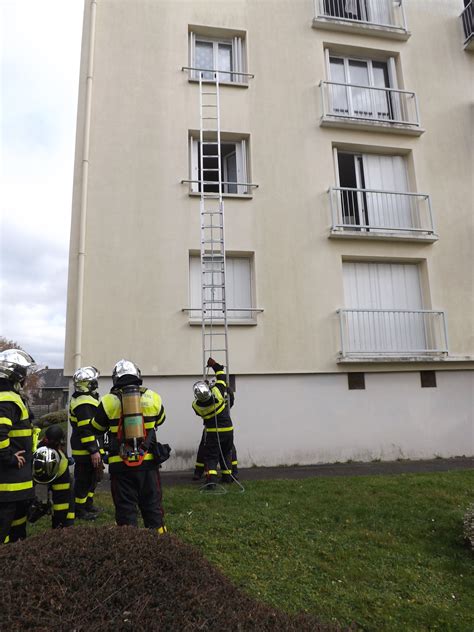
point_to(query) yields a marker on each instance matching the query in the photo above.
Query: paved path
(330, 469)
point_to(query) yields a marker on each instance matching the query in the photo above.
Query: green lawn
(383, 551)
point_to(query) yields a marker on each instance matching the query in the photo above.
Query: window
(239, 285)
(211, 54)
(360, 88)
(234, 173)
(371, 192)
(384, 302)
(374, 11)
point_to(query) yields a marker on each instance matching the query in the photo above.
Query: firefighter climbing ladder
(213, 265)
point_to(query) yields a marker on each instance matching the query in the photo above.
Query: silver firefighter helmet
(125, 367)
(85, 379)
(45, 464)
(14, 365)
(202, 391)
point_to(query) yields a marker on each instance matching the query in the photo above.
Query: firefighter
(212, 405)
(199, 466)
(57, 478)
(16, 481)
(131, 413)
(82, 408)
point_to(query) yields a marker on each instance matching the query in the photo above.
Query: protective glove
(214, 365)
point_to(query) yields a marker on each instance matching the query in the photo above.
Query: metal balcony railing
(467, 18)
(373, 211)
(378, 105)
(392, 333)
(388, 13)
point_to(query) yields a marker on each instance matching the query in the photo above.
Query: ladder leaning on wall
(213, 264)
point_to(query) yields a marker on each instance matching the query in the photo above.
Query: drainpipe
(81, 254)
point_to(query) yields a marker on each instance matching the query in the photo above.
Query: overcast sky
(40, 51)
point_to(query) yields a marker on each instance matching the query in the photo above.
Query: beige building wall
(140, 222)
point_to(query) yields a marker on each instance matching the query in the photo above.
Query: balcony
(384, 335)
(373, 214)
(384, 18)
(467, 18)
(369, 108)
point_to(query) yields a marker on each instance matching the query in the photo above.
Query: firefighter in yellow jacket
(16, 481)
(130, 413)
(82, 408)
(211, 404)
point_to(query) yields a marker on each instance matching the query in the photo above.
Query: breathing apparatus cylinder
(133, 426)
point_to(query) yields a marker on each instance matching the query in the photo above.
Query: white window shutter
(241, 152)
(238, 60)
(194, 163)
(192, 56)
(396, 98)
(195, 298)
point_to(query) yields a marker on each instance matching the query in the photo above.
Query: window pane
(224, 60)
(338, 94)
(204, 58)
(361, 98)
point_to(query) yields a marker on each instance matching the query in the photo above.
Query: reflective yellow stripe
(149, 424)
(6, 540)
(212, 472)
(90, 495)
(215, 412)
(226, 471)
(221, 382)
(80, 501)
(59, 486)
(87, 439)
(18, 522)
(80, 452)
(36, 434)
(61, 507)
(97, 426)
(113, 428)
(83, 423)
(101, 450)
(199, 464)
(9, 396)
(219, 429)
(15, 487)
(4, 444)
(83, 399)
(70, 516)
(162, 530)
(21, 433)
(5, 421)
(118, 459)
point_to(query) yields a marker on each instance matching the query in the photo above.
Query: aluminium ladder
(213, 264)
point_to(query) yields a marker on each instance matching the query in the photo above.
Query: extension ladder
(213, 263)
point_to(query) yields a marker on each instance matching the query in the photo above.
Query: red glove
(211, 362)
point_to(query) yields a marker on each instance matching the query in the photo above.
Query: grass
(384, 552)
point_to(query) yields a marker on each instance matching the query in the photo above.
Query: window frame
(238, 57)
(242, 320)
(242, 167)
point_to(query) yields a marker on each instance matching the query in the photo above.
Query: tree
(34, 380)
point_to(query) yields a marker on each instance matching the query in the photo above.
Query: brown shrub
(121, 578)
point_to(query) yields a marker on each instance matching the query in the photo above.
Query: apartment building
(346, 144)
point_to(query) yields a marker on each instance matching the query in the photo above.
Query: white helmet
(45, 464)
(85, 379)
(14, 365)
(125, 367)
(202, 391)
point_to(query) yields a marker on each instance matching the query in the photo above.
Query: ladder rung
(210, 169)
(210, 142)
(209, 118)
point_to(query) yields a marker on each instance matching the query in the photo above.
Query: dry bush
(121, 578)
